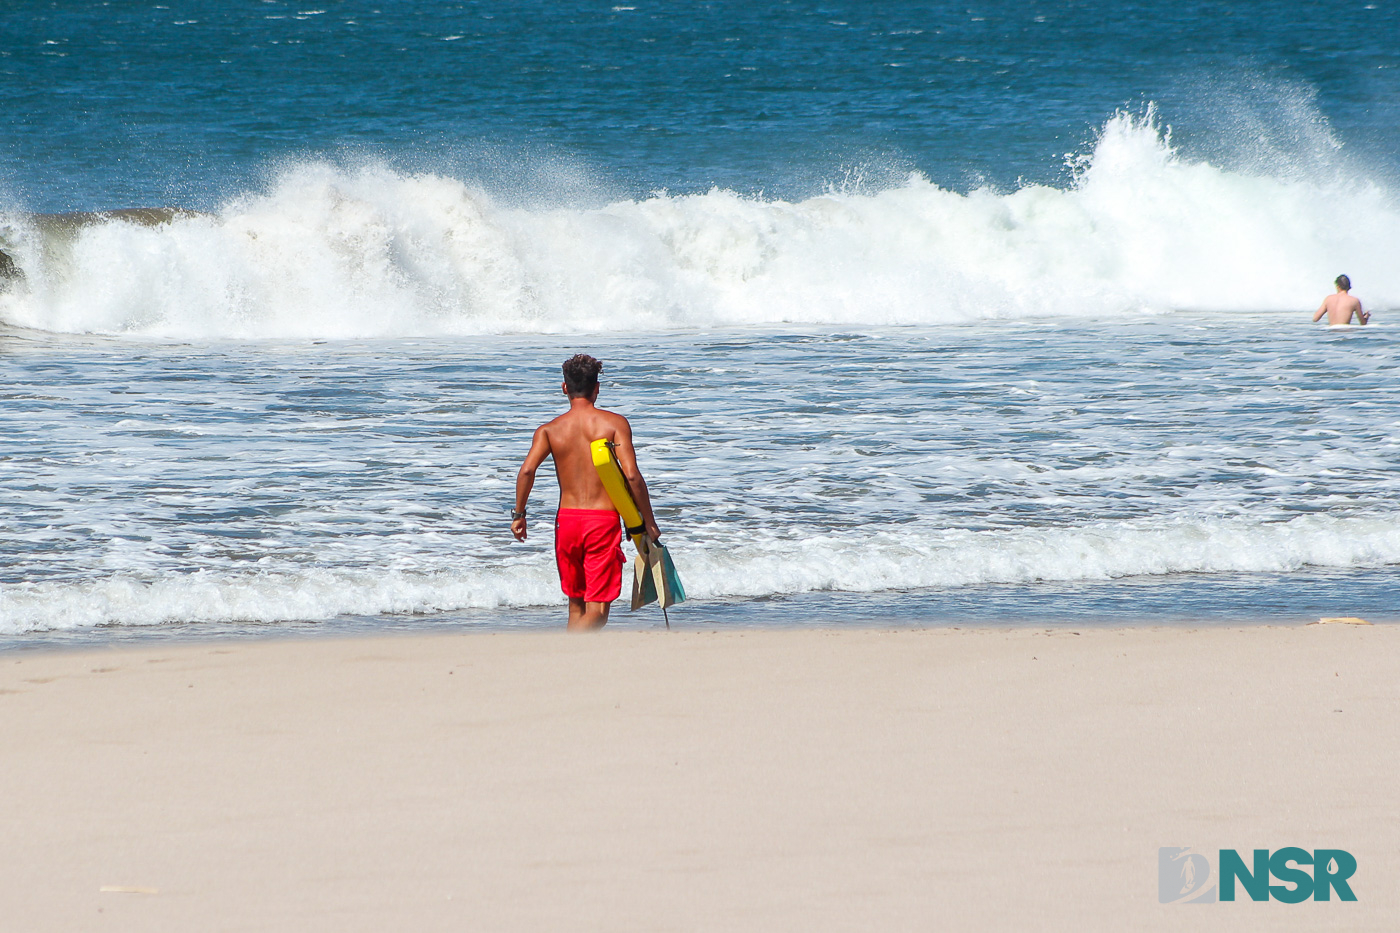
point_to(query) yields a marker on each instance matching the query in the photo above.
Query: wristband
(516, 516)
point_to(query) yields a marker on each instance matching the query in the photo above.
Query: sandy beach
(981, 779)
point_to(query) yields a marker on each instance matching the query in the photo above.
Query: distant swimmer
(1340, 307)
(587, 528)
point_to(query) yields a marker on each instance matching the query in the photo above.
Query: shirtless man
(1340, 307)
(587, 529)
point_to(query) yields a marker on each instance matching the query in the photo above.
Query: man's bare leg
(585, 617)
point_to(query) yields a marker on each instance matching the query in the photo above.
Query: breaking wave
(763, 564)
(330, 252)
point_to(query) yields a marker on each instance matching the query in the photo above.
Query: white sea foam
(862, 562)
(314, 595)
(336, 253)
(760, 564)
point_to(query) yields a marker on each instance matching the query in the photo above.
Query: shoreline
(754, 780)
(195, 634)
(1281, 599)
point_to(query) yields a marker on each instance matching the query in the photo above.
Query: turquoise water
(924, 314)
(192, 102)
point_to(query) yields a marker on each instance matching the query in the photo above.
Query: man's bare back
(1340, 307)
(569, 440)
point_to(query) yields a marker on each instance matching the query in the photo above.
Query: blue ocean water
(924, 313)
(112, 105)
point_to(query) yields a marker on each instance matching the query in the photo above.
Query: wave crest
(334, 253)
(758, 565)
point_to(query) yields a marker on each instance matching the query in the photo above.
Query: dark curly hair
(581, 375)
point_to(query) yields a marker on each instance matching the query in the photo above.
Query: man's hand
(517, 528)
(653, 532)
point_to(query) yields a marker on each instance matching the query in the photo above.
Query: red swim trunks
(588, 549)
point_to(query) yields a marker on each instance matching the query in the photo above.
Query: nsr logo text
(1183, 876)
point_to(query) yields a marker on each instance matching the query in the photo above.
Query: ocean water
(923, 313)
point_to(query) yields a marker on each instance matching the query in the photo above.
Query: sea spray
(337, 253)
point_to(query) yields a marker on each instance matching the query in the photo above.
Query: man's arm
(1361, 315)
(627, 460)
(1322, 309)
(525, 480)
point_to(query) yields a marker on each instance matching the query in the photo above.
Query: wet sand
(980, 779)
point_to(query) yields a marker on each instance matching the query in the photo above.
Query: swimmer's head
(581, 375)
(1344, 283)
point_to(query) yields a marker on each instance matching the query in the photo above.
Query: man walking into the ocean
(1341, 306)
(587, 529)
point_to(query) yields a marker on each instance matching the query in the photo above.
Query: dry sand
(985, 779)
